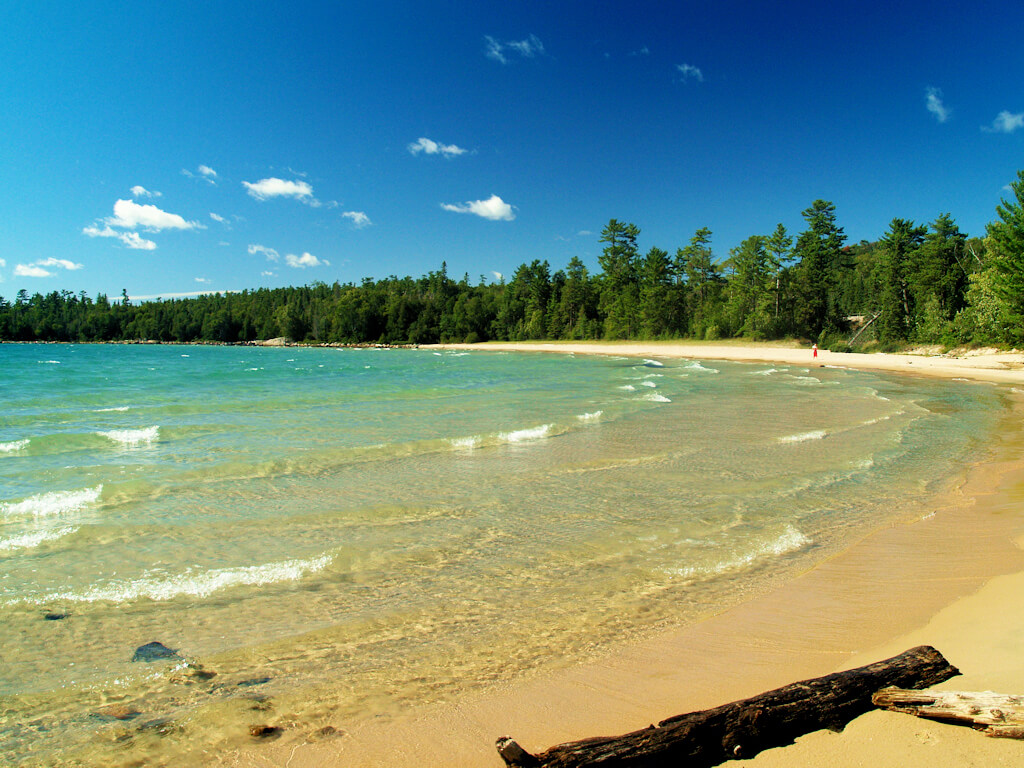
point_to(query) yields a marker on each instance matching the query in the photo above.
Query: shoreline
(976, 365)
(903, 585)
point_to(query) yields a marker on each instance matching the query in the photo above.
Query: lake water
(331, 535)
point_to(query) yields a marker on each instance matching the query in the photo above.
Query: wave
(120, 408)
(587, 417)
(648, 384)
(628, 388)
(653, 364)
(654, 397)
(522, 435)
(132, 437)
(766, 372)
(49, 362)
(53, 503)
(467, 442)
(11, 447)
(801, 437)
(29, 540)
(190, 583)
(790, 540)
(695, 366)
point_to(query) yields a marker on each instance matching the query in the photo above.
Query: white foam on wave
(654, 397)
(49, 362)
(648, 384)
(790, 540)
(53, 503)
(119, 409)
(807, 380)
(132, 437)
(29, 540)
(466, 443)
(698, 367)
(11, 447)
(194, 584)
(628, 388)
(654, 364)
(802, 437)
(521, 435)
(766, 372)
(585, 417)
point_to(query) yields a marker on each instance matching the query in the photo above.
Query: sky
(177, 148)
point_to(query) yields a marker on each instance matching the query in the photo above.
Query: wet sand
(953, 579)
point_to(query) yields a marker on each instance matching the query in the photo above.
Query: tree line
(917, 284)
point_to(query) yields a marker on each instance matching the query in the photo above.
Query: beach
(951, 579)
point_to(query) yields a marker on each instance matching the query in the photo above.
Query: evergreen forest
(917, 284)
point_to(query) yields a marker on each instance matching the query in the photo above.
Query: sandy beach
(952, 579)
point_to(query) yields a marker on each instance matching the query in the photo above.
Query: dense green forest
(917, 284)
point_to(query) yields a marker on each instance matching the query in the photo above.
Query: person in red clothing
(815, 348)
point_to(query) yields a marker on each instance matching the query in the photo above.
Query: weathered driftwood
(994, 714)
(744, 728)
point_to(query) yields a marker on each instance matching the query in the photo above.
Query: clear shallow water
(341, 534)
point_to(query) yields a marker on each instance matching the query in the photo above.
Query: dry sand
(954, 580)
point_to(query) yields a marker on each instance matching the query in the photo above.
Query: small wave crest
(654, 397)
(195, 584)
(654, 364)
(53, 503)
(11, 447)
(587, 417)
(802, 437)
(648, 384)
(466, 443)
(628, 388)
(132, 437)
(790, 540)
(522, 435)
(119, 409)
(695, 366)
(29, 540)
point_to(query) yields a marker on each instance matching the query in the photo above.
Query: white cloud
(689, 71)
(130, 215)
(1006, 122)
(62, 263)
(305, 260)
(265, 273)
(493, 208)
(645, 51)
(528, 48)
(358, 219)
(216, 217)
(30, 270)
(132, 239)
(429, 147)
(264, 189)
(933, 103)
(270, 253)
(201, 279)
(139, 191)
(584, 233)
(497, 276)
(206, 173)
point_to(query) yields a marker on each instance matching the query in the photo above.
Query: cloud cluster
(129, 216)
(528, 48)
(269, 253)
(933, 103)
(266, 189)
(140, 191)
(690, 72)
(429, 147)
(493, 208)
(305, 260)
(1006, 122)
(206, 173)
(38, 268)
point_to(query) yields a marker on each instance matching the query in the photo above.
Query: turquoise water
(341, 534)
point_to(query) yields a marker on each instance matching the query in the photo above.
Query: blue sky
(173, 148)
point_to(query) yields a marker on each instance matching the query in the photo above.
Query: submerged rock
(153, 652)
(253, 681)
(265, 731)
(118, 712)
(55, 615)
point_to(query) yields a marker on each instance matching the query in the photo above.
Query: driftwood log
(744, 728)
(994, 714)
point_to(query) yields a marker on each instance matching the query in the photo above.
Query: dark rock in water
(118, 712)
(153, 652)
(265, 731)
(55, 615)
(253, 681)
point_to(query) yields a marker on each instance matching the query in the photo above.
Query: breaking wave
(521, 435)
(11, 447)
(192, 583)
(29, 540)
(132, 437)
(802, 437)
(790, 540)
(53, 503)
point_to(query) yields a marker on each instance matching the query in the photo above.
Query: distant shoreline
(977, 365)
